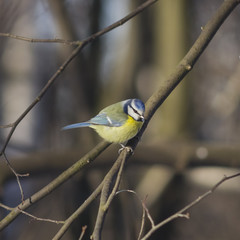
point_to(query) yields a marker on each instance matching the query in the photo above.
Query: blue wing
(107, 117)
(106, 120)
(100, 119)
(77, 125)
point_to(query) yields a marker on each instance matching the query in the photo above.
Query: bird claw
(129, 149)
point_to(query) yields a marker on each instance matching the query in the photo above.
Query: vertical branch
(108, 192)
(17, 175)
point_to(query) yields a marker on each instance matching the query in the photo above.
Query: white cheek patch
(133, 114)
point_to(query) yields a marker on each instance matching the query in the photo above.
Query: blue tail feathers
(76, 125)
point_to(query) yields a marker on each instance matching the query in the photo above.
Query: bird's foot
(129, 149)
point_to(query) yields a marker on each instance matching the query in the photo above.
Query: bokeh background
(201, 116)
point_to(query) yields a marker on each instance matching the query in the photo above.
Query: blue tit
(118, 122)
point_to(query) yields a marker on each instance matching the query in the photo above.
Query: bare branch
(89, 157)
(116, 185)
(162, 153)
(90, 38)
(180, 213)
(50, 187)
(152, 105)
(7, 126)
(39, 40)
(144, 211)
(32, 216)
(76, 214)
(17, 175)
(148, 214)
(169, 84)
(142, 224)
(108, 193)
(74, 53)
(83, 232)
(186, 64)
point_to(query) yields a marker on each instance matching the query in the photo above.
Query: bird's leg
(129, 149)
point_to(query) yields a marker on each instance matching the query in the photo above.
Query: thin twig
(75, 52)
(76, 214)
(83, 232)
(45, 191)
(40, 95)
(90, 38)
(32, 216)
(143, 210)
(17, 175)
(116, 185)
(167, 86)
(148, 214)
(108, 191)
(180, 213)
(40, 40)
(142, 224)
(86, 203)
(7, 125)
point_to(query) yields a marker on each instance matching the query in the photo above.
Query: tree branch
(89, 157)
(32, 216)
(76, 214)
(152, 105)
(181, 212)
(187, 63)
(168, 85)
(195, 154)
(75, 52)
(108, 192)
(50, 82)
(86, 41)
(41, 40)
(17, 175)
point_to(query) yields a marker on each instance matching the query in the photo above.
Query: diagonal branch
(89, 157)
(181, 212)
(108, 192)
(117, 167)
(187, 63)
(74, 53)
(152, 105)
(168, 85)
(76, 214)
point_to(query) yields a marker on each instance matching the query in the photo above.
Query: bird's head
(134, 108)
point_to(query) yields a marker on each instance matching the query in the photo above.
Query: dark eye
(134, 110)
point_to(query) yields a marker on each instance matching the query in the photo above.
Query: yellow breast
(119, 134)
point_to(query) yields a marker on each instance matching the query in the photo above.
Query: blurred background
(190, 144)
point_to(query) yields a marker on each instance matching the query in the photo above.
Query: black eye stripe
(134, 110)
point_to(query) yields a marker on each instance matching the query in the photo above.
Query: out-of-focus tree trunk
(170, 47)
(118, 85)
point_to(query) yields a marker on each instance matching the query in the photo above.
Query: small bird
(118, 122)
